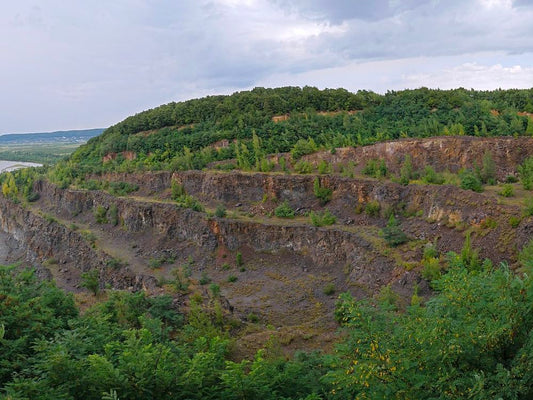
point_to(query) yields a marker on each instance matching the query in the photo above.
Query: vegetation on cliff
(249, 125)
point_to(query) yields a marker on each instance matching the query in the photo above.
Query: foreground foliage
(474, 340)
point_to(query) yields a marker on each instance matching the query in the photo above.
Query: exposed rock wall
(445, 153)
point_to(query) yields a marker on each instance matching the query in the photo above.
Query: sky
(88, 64)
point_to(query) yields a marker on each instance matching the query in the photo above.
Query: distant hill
(43, 147)
(75, 136)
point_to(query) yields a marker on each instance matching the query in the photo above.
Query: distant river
(13, 165)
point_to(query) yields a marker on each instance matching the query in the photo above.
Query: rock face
(287, 263)
(446, 153)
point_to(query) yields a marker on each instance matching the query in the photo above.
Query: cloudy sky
(83, 64)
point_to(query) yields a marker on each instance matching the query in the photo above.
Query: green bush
(238, 259)
(488, 171)
(430, 251)
(406, 170)
(204, 279)
(113, 215)
(514, 221)
(372, 208)
(176, 190)
(220, 211)
(525, 171)
(469, 181)
(214, 289)
(115, 263)
(303, 147)
(90, 281)
(232, 278)
(528, 207)
(252, 317)
(511, 179)
(303, 167)
(284, 210)
(324, 167)
(100, 215)
(329, 289)
(322, 218)
(431, 270)
(122, 188)
(429, 176)
(188, 201)
(322, 193)
(375, 168)
(393, 234)
(507, 190)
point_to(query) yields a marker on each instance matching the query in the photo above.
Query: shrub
(89, 237)
(514, 221)
(430, 251)
(375, 168)
(525, 171)
(214, 289)
(303, 147)
(204, 279)
(238, 259)
(511, 179)
(431, 270)
(100, 215)
(177, 190)
(406, 171)
(284, 210)
(526, 255)
(50, 218)
(252, 317)
(155, 262)
(115, 263)
(528, 209)
(488, 170)
(283, 164)
(303, 167)
(329, 289)
(266, 165)
(372, 208)
(507, 190)
(393, 234)
(431, 177)
(322, 193)
(489, 223)
(388, 297)
(90, 281)
(322, 218)
(232, 278)
(32, 196)
(122, 188)
(113, 215)
(324, 167)
(220, 211)
(188, 201)
(469, 181)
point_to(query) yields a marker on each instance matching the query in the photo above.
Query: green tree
(392, 233)
(525, 171)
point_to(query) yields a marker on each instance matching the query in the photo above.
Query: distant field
(43, 148)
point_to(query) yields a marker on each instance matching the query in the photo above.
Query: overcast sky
(72, 64)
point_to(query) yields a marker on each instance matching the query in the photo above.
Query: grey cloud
(337, 11)
(101, 61)
(523, 3)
